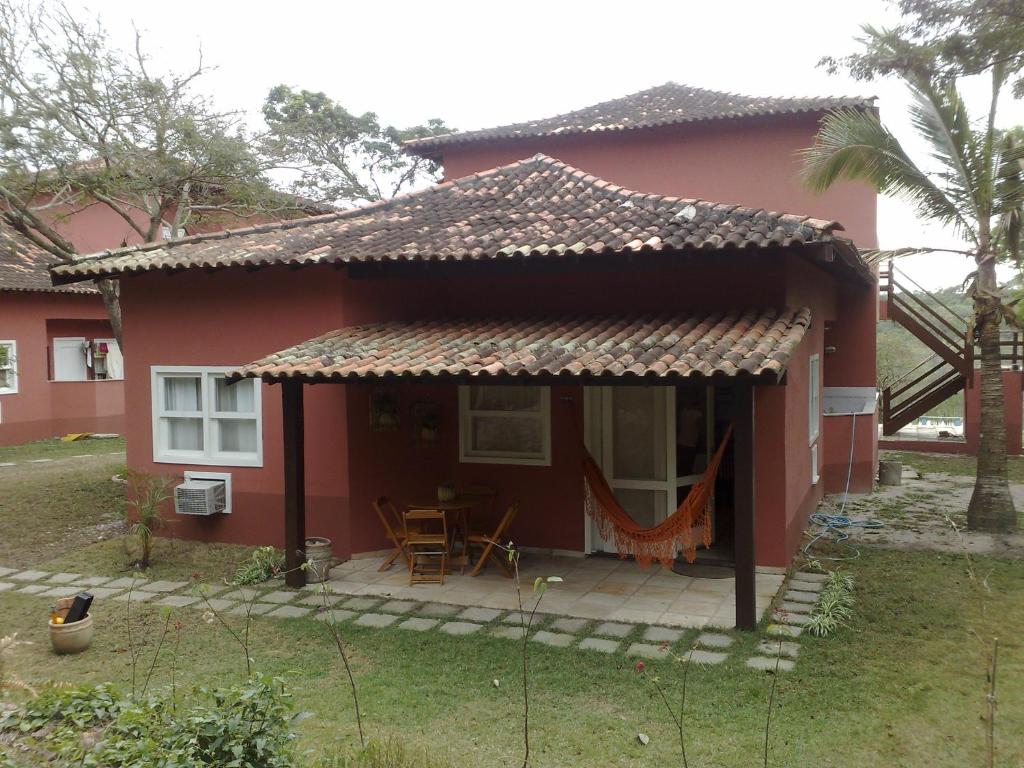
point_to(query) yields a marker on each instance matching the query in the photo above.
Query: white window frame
(207, 457)
(467, 456)
(813, 399)
(12, 357)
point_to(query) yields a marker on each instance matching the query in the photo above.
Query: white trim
(542, 459)
(815, 475)
(224, 477)
(813, 399)
(69, 342)
(12, 366)
(164, 455)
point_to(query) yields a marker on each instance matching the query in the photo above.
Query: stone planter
(318, 558)
(890, 473)
(70, 638)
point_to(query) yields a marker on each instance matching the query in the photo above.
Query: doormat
(702, 570)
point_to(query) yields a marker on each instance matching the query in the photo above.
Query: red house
(614, 278)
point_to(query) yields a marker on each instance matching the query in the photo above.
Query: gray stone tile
(337, 615)
(662, 634)
(557, 639)
(278, 596)
(706, 657)
(177, 601)
(29, 576)
(613, 629)
(484, 615)
(417, 624)
(94, 581)
(572, 626)
(165, 586)
(796, 596)
(647, 651)
(714, 640)
(318, 600)
(209, 589)
(61, 590)
(784, 630)
(397, 606)
(599, 644)
(768, 664)
(518, 619)
(289, 611)
(508, 633)
(125, 582)
(5, 585)
(797, 619)
(34, 589)
(244, 594)
(792, 607)
(137, 596)
(806, 586)
(809, 576)
(361, 603)
(439, 610)
(6, 571)
(218, 604)
(64, 578)
(102, 593)
(254, 610)
(376, 620)
(773, 647)
(459, 628)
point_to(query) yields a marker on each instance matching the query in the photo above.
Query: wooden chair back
(426, 537)
(425, 525)
(389, 518)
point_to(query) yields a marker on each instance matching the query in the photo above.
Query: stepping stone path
(274, 601)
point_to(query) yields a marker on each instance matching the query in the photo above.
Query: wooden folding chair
(426, 541)
(485, 543)
(394, 529)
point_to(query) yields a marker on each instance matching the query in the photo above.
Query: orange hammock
(675, 533)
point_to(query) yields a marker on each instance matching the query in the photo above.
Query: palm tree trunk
(991, 508)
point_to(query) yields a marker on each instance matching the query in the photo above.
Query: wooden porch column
(743, 454)
(294, 482)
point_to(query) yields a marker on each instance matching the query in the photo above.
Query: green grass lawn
(953, 465)
(56, 449)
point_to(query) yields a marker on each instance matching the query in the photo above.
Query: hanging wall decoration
(384, 410)
(426, 423)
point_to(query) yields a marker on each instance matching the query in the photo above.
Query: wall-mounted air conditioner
(203, 494)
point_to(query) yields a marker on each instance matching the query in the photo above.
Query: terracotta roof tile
(668, 104)
(534, 208)
(24, 266)
(736, 343)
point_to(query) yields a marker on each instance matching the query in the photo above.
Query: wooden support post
(294, 482)
(743, 454)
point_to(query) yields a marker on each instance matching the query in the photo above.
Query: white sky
(477, 64)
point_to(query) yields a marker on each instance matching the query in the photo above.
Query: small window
(814, 399)
(8, 368)
(201, 418)
(505, 425)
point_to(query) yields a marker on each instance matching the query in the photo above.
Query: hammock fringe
(680, 531)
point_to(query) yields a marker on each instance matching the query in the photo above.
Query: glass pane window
(199, 418)
(8, 368)
(505, 424)
(814, 398)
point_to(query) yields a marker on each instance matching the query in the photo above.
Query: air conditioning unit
(200, 497)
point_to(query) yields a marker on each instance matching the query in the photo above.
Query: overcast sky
(479, 64)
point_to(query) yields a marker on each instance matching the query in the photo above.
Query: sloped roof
(755, 343)
(24, 266)
(668, 104)
(538, 207)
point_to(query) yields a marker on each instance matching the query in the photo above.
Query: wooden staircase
(946, 371)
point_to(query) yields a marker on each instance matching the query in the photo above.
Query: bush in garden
(265, 563)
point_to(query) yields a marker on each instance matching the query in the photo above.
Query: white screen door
(69, 359)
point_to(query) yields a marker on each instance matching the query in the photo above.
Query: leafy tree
(972, 179)
(83, 123)
(341, 158)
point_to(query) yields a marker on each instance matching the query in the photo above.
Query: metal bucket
(318, 558)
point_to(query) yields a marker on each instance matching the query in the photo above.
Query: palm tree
(973, 182)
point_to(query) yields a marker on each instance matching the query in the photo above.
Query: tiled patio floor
(592, 588)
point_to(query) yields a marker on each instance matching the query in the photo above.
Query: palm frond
(874, 256)
(854, 145)
(1008, 207)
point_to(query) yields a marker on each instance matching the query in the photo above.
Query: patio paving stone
(806, 586)
(683, 620)
(783, 629)
(61, 590)
(773, 647)
(799, 619)
(376, 620)
(556, 639)
(792, 607)
(440, 610)
(161, 586)
(64, 578)
(289, 612)
(763, 662)
(599, 644)
(508, 633)
(137, 596)
(5, 585)
(242, 593)
(613, 629)
(572, 626)
(34, 589)
(95, 581)
(798, 596)
(417, 624)
(397, 606)
(278, 596)
(483, 615)
(122, 583)
(254, 610)
(810, 576)
(102, 593)
(177, 601)
(318, 600)
(647, 651)
(29, 576)
(460, 628)
(6, 571)
(662, 634)
(218, 604)
(707, 657)
(338, 615)
(714, 640)
(361, 603)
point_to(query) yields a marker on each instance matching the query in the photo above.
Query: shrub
(265, 563)
(835, 605)
(146, 496)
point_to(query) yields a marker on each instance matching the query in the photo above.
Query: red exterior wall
(43, 408)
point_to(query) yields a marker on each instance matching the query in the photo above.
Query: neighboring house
(480, 331)
(60, 368)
